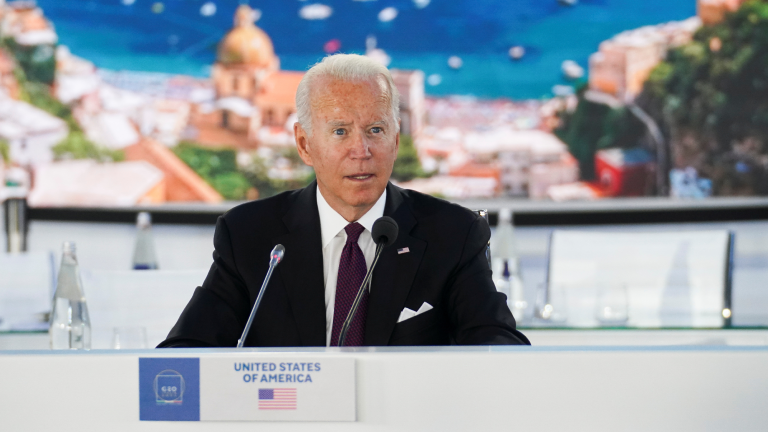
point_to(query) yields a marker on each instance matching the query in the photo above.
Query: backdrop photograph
(109, 103)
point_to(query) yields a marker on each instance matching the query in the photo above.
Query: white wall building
(30, 132)
(529, 160)
(89, 183)
(454, 187)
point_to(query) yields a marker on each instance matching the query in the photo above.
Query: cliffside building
(410, 85)
(624, 62)
(713, 11)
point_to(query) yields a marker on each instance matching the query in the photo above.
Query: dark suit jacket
(445, 267)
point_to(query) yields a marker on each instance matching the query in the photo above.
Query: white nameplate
(270, 388)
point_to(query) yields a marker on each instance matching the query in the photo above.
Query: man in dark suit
(431, 287)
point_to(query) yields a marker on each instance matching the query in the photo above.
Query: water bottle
(503, 241)
(517, 302)
(144, 257)
(70, 326)
(506, 263)
(502, 283)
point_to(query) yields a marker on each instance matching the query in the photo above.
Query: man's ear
(302, 143)
(397, 137)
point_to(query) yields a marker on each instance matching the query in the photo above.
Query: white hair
(346, 67)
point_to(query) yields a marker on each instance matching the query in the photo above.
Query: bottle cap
(505, 216)
(143, 220)
(68, 247)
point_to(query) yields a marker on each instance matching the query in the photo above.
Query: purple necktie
(352, 271)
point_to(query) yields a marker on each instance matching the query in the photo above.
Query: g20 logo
(169, 387)
(169, 391)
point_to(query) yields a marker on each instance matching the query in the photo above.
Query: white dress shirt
(334, 238)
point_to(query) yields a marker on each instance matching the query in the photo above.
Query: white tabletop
(453, 388)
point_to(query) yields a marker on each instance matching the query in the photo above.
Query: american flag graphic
(277, 399)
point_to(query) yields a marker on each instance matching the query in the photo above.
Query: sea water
(181, 40)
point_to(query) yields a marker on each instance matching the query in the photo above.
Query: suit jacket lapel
(394, 273)
(302, 267)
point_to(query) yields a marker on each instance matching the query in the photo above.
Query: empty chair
(639, 279)
(135, 299)
(26, 288)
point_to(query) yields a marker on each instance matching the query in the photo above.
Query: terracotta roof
(182, 183)
(33, 20)
(279, 89)
(7, 63)
(473, 169)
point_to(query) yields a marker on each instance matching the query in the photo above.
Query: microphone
(384, 231)
(384, 234)
(274, 259)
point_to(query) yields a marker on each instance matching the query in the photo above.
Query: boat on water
(434, 79)
(375, 53)
(562, 90)
(387, 14)
(568, 2)
(517, 52)
(572, 70)
(455, 62)
(208, 9)
(332, 46)
(315, 11)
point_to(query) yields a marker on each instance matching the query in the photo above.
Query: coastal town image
(675, 108)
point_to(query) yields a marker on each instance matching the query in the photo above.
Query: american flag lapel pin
(403, 250)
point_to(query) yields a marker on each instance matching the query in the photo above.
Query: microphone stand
(359, 296)
(275, 258)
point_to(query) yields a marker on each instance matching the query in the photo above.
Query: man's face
(353, 145)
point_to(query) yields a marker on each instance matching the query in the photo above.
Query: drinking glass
(550, 304)
(612, 307)
(129, 338)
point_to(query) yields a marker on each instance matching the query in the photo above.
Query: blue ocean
(173, 36)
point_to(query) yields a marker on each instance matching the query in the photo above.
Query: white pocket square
(408, 313)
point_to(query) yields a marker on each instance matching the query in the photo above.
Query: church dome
(246, 44)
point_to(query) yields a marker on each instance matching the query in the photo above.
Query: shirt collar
(331, 223)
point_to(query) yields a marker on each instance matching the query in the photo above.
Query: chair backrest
(484, 214)
(26, 288)
(152, 299)
(669, 279)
